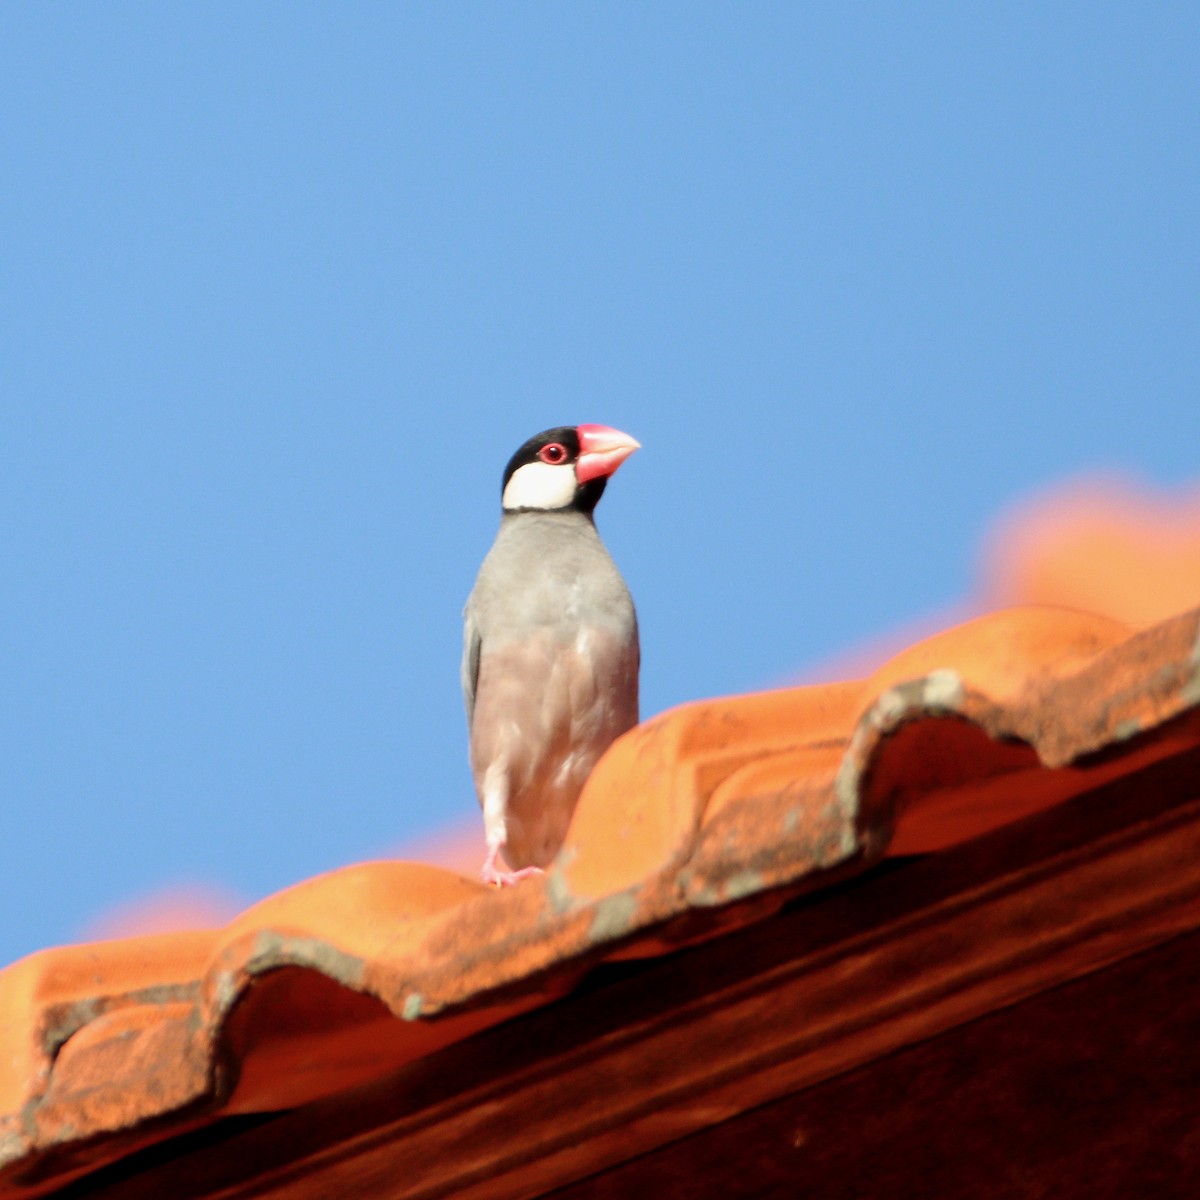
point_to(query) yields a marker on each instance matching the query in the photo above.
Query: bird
(550, 648)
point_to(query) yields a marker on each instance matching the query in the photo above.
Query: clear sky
(283, 286)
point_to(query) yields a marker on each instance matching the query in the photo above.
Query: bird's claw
(494, 876)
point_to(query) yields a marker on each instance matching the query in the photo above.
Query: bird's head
(564, 468)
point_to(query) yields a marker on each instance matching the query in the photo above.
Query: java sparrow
(550, 647)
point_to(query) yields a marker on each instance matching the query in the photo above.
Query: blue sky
(284, 286)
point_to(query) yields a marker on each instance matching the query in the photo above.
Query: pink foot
(496, 876)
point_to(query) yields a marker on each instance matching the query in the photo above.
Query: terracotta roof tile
(700, 820)
(1103, 544)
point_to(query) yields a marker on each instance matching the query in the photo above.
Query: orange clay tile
(1107, 545)
(698, 821)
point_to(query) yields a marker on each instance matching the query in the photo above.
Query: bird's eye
(553, 454)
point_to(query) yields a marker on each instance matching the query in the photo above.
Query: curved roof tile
(699, 820)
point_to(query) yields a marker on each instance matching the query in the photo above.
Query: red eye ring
(554, 453)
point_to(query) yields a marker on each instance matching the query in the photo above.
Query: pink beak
(601, 451)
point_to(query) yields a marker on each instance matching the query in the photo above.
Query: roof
(705, 820)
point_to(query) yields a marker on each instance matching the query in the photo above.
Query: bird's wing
(470, 662)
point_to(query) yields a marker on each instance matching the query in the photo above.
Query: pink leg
(496, 876)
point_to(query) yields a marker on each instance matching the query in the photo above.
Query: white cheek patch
(540, 485)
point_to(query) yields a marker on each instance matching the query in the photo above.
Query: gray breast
(550, 669)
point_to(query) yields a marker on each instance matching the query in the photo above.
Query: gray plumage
(550, 677)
